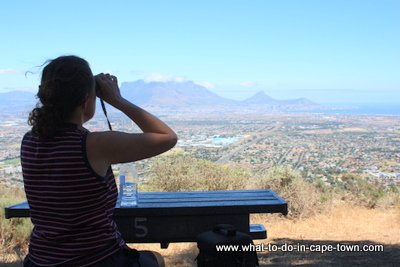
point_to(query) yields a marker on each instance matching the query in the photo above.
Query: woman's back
(71, 206)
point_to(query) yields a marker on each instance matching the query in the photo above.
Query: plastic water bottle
(128, 179)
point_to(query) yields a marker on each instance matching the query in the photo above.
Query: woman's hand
(107, 88)
(110, 147)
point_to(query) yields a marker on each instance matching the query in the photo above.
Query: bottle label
(129, 197)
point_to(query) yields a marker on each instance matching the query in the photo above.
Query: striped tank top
(71, 206)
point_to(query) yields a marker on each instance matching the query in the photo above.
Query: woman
(67, 172)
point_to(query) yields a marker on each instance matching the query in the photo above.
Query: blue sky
(328, 51)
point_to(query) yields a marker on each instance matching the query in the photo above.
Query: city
(320, 146)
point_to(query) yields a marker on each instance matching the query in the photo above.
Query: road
(283, 157)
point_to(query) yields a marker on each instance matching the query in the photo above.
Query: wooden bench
(165, 217)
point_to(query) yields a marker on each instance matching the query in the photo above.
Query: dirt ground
(346, 225)
(389, 257)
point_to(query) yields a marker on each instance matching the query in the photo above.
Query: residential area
(320, 146)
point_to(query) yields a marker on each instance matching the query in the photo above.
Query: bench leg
(164, 245)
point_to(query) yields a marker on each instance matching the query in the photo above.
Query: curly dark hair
(65, 84)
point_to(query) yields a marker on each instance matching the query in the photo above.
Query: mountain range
(176, 96)
(191, 95)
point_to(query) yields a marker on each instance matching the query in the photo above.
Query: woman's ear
(89, 106)
(84, 104)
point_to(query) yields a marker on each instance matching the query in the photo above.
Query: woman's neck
(77, 117)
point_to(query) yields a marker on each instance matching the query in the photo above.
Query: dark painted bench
(164, 217)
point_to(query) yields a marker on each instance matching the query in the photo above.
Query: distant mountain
(17, 100)
(190, 95)
(16, 97)
(171, 94)
(301, 102)
(259, 98)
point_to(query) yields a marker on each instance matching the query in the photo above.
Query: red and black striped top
(71, 207)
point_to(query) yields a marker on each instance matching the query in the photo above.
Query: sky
(337, 51)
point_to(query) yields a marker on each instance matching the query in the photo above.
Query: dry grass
(344, 224)
(340, 222)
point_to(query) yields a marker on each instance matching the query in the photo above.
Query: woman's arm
(110, 147)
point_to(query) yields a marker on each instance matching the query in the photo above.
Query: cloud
(160, 77)
(248, 84)
(207, 85)
(8, 71)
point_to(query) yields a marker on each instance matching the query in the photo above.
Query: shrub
(181, 172)
(359, 190)
(302, 197)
